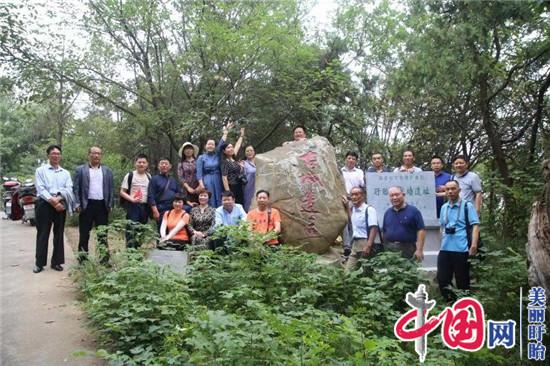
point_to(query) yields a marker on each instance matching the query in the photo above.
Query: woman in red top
(173, 230)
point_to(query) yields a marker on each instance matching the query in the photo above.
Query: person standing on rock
(54, 189)
(298, 134)
(93, 190)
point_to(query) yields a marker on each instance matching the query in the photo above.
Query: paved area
(41, 322)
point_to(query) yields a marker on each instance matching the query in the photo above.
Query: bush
(258, 306)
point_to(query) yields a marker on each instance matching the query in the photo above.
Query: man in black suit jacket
(93, 190)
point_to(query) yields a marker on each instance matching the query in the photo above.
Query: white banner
(419, 191)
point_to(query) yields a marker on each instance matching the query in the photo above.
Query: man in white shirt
(353, 177)
(364, 222)
(134, 192)
(93, 190)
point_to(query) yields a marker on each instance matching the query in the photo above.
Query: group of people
(458, 202)
(214, 189)
(211, 190)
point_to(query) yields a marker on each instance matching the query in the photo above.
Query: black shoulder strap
(130, 178)
(467, 224)
(466, 218)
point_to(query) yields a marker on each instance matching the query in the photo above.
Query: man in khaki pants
(364, 225)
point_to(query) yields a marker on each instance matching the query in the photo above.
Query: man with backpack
(133, 195)
(460, 225)
(364, 225)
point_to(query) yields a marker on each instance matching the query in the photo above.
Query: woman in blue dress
(208, 168)
(250, 172)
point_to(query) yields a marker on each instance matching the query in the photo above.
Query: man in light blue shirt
(229, 213)
(364, 223)
(459, 240)
(52, 183)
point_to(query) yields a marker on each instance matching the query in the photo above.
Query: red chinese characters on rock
(308, 182)
(463, 325)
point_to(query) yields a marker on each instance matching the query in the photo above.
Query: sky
(59, 14)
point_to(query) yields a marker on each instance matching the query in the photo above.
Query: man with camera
(460, 225)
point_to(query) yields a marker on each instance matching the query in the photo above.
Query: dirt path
(41, 322)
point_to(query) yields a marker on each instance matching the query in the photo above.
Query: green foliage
(259, 306)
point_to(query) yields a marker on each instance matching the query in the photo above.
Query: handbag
(242, 177)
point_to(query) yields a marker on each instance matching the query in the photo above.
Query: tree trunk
(60, 114)
(498, 153)
(538, 245)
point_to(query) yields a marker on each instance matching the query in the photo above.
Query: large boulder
(306, 186)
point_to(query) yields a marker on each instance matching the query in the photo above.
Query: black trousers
(46, 216)
(451, 264)
(96, 213)
(237, 190)
(138, 213)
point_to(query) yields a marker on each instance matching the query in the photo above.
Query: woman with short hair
(202, 220)
(173, 231)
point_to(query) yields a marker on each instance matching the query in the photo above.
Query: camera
(450, 230)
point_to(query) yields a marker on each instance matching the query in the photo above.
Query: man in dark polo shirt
(162, 190)
(403, 227)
